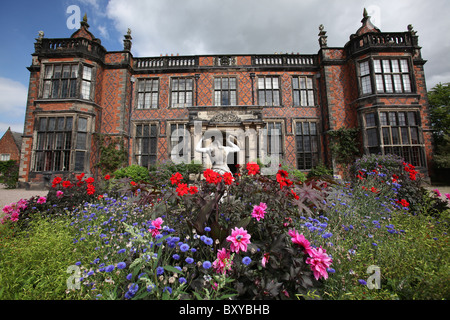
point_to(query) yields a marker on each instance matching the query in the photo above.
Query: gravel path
(8, 196)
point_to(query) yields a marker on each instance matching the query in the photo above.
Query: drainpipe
(132, 80)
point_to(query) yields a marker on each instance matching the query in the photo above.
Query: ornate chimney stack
(127, 41)
(322, 37)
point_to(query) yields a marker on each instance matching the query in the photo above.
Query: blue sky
(210, 27)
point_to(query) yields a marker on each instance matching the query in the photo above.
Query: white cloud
(13, 99)
(103, 32)
(266, 26)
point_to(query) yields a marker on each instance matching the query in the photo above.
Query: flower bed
(242, 236)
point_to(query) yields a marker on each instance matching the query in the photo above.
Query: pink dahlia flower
(319, 262)
(300, 240)
(157, 226)
(223, 262)
(42, 200)
(259, 211)
(239, 240)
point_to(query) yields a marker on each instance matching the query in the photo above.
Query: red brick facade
(78, 89)
(10, 145)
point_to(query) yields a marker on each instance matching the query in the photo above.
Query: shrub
(161, 172)
(9, 173)
(320, 172)
(393, 170)
(135, 172)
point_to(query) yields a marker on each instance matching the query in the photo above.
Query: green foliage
(135, 172)
(320, 172)
(9, 173)
(113, 153)
(392, 166)
(161, 172)
(345, 145)
(439, 102)
(34, 262)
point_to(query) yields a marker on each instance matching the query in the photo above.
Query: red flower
(282, 179)
(211, 176)
(228, 178)
(374, 190)
(107, 177)
(56, 181)
(66, 184)
(252, 168)
(80, 176)
(90, 189)
(90, 180)
(182, 189)
(295, 195)
(176, 178)
(403, 202)
(133, 183)
(193, 190)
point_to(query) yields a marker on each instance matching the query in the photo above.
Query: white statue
(218, 153)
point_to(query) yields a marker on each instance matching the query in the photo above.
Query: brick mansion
(78, 89)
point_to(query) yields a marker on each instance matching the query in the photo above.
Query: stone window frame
(218, 93)
(387, 72)
(171, 144)
(143, 91)
(178, 93)
(265, 147)
(78, 80)
(364, 71)
(139, 134)
(5, 157)
(314, 154)
(268, 87)
(73, 143)
(407, 141)
(376, 79)
(301, 94)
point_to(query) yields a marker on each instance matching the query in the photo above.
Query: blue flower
(207, 229)
(109, 268)
(129, 276)
(121, 265)
(182, 280)
(159, 271)
(246, 260)
(176, 256)
(184, 247)
(327, 235)
(168, 289)
(189, 260)
(121, 251)
(206, 264)
(361, 281)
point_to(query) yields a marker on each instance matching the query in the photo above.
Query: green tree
(439, 100)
